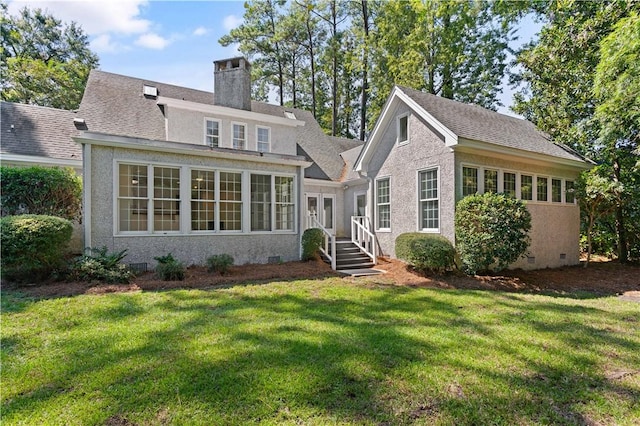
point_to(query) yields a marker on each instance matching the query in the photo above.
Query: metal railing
(362, 236)
(329, 240)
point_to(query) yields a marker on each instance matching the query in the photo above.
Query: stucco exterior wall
(402, 163)
(189, 127)
(555, 227)
(245, 247)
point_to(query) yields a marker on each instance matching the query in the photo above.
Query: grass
(319, 352)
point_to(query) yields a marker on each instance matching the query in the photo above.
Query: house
(168, 169)
(32, 135)
(426, 152)
(174, 170)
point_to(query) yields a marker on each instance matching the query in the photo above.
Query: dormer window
(403, 129)
(263, 136)
(212, 133)
(239, 136)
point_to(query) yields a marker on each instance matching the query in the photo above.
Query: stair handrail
(329, 246)
(363, 237)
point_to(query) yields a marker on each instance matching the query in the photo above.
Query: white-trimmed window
(239, 136)
(383, 204)
(542, 188)
(260, 202)
(429, 200)
(526, 187)
(203, 184)
(133, 198)
(166, 199)
(469, 181)
(149, 200)
(285, 206)
(212, 132)
(230, 201)
(570, 192)
(490, 180)
(263, 138)
(509, 183)
(556, 190)
(403, 128)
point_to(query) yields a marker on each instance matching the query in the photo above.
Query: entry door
(323, 208)
(360, 204)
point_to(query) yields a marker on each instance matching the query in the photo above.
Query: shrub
(169, 269)
(426, 252)
(33, 246)
(311, 242)
(50, 191)
(491, 231)
(220, 263)
(99, 265)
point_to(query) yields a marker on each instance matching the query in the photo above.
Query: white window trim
(481, 168)
(258, 139)
(185, 201)
(206, 119)
(419, 210)
(377, 205)
(246, 133)
(398, 118)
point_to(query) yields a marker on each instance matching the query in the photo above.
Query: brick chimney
(232, 83)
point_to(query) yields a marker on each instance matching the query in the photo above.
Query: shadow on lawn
(244, 357)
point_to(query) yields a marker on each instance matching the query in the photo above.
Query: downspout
(86, 194)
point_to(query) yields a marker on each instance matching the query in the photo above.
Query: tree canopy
(43, 60)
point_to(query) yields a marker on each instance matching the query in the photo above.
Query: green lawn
(320, 352)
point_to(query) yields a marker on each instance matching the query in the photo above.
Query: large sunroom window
(230, 201)
(285, 206)
(469, 181)
(133, 198)
(260, 202)
(203, 200)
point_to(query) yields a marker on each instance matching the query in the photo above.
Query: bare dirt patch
(601, 278)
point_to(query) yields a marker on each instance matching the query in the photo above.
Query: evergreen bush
(312, 240)
(219, 263)
(49, 191)
(33, 246)
(492, 231)
(169, 268)
(426, 252)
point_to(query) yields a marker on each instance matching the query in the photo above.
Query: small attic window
(150, 91)
(290, 115)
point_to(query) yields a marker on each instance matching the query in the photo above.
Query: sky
(171, 42)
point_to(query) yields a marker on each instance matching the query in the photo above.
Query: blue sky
(168, 41)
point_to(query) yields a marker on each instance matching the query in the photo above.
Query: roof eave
(101, 139)
(500, 151)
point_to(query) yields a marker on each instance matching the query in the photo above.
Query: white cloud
(152, 41)
(231, 21)
(95, 17)
(200, 31)
(104, 44)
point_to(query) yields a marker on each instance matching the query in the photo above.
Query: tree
(43, 61)
(558, 75)
(597, 196)
(260, 39)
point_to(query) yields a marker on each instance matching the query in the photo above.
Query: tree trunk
(623, 254)
(365, 66)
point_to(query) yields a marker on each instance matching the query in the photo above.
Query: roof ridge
(39, 106)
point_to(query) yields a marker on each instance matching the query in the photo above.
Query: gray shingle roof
(479, 124)
(38, 131)
(114, 104)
